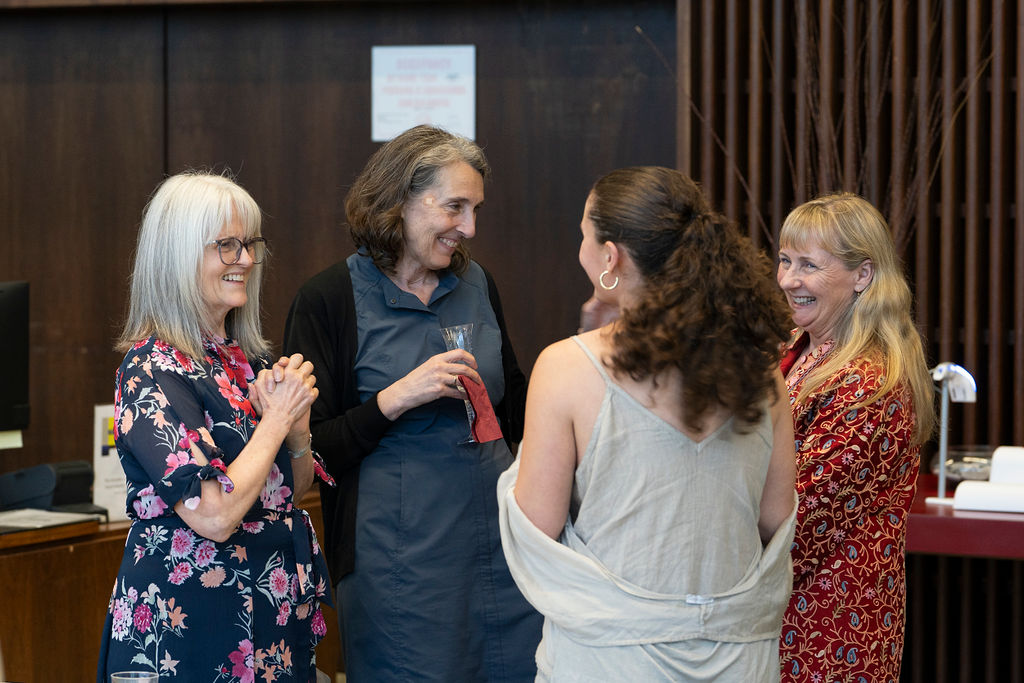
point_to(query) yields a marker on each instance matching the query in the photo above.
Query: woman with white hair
(862, 406)
(222, 577)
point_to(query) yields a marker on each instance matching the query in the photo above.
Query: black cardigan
(321, 325)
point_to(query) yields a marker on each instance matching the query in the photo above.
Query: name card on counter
(1003, 492)
(109, 488)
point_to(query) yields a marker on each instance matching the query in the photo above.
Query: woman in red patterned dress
(862, 406)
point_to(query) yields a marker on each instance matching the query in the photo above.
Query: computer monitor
(14, 406)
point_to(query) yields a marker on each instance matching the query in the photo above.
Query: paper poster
(109, 488)
(433, 84)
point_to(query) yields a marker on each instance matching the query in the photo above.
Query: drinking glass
(134, 677)
(461, 337)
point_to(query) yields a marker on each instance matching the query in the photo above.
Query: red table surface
(941, 530)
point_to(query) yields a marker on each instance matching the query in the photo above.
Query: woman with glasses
(222, 577)
(412, 532)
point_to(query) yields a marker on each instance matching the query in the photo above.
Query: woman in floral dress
(222, 577)
(862, 402)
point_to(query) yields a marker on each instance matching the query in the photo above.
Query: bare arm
(548, 452)
(777, 499)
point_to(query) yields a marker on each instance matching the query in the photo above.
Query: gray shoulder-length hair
(185, 214)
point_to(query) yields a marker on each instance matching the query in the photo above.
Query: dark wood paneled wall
(98, 104)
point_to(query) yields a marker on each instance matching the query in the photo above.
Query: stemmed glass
(461, 337)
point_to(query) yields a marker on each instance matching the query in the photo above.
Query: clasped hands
(287, 390)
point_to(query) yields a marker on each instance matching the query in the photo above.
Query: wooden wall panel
(564, 94)
(81, 146)
(97, 105)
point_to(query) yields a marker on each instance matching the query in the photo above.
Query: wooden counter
(965, 593)
(55, 597)
(941, 530)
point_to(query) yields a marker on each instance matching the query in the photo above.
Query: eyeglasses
(230, 249)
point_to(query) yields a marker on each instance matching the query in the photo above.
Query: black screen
(14, 354)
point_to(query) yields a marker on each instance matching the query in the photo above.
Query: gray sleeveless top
(665, 512)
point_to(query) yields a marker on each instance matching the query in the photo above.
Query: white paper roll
(1007, 465)
(987, 495)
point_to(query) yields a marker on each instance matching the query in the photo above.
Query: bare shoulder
(562, 369)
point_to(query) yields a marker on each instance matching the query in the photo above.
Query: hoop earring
(603, 285)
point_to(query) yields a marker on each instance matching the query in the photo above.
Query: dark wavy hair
(710, 307)
(404, 168)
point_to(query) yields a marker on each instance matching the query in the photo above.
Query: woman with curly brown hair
(650, 512)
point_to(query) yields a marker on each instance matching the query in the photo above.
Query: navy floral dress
(183, 605)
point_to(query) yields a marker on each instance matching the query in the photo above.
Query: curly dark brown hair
(403, 168)
(710, 306)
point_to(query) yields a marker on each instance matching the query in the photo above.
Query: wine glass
(461, 337)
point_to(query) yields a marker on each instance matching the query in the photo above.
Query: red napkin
(485, 427)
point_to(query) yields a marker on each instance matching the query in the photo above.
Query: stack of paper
(1004, 490)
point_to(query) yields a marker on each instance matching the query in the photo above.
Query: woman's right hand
(434, 379)
(287, 391)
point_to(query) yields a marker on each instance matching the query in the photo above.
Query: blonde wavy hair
(878, 323)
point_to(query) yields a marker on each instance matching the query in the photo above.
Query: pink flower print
(816, 678)
(825, 583)
(206, 553)
(163, 361)
(242, 658)
(122, 612)
(132, 594)
(143, 618)
(317, 625)
(176, 460)
(230, 391)
(182, 542)
(147, 505)
(180, 573)
(293, 588)
(184, 361)
(811, 502)
(833, 487)
(188, 437)
(870, 594)
(274, 493)
(838, 535)
(283, 612)
(252, 527)
(279, 583)
(140, 553)
(847, 458)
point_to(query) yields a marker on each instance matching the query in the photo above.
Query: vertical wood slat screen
(963, 620)
(914, 105)
(919, 107)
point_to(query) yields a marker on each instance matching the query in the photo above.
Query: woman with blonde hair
(862, 402)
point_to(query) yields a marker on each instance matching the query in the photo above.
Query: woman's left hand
(266, 381)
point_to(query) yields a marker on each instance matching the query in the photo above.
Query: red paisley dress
(856, 475)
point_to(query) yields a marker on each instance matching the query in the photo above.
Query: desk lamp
(956, 385)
